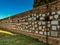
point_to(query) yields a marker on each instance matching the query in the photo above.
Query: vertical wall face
(35, 22)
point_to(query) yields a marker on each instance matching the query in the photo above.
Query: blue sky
(12, 7)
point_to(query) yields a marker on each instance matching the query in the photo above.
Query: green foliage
(46, 1)
(42, 2)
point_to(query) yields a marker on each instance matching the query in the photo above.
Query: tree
(41, 2)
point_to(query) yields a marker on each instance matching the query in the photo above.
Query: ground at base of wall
(18, 39)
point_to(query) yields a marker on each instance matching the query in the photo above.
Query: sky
(12, 7)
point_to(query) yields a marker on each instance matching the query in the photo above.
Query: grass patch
(18, 39)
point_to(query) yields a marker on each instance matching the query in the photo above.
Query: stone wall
(32, 23)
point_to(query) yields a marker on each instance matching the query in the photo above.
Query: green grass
(18, 39)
